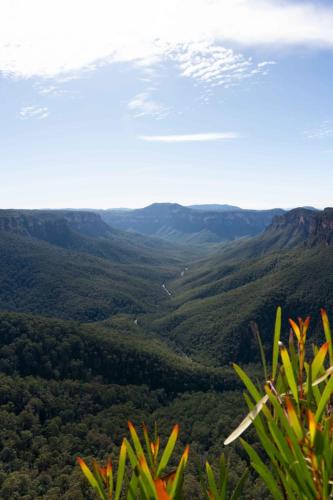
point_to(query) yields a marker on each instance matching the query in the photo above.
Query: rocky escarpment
(52, 225)
(303, 225)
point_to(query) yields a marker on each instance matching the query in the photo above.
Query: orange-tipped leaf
(90, 477)
(318, 362)
(328, 334)
(168, 450)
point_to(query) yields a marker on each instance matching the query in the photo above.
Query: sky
(126, 103)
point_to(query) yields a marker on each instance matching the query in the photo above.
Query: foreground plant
(294, 418)
(102, 478)
(148, 479)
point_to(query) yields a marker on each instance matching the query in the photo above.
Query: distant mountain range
(198, 224)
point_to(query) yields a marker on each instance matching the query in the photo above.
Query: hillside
(298, 227)
(54, 349)
(72, 265)
(303, 225)
(87, 232)
(175, 223)
(290, 264)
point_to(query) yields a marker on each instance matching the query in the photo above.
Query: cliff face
(52, 225)
(305, 225)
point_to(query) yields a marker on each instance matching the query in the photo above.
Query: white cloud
(324, 131)
(34, 112)
(203, 137)
(212, 65)
(50, 89)
(48, 37)
(266, 63)
(142, 105)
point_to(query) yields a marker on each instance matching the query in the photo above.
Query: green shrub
(293, 418)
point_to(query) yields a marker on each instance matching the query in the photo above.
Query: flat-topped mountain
(213, 207)
(176, 223)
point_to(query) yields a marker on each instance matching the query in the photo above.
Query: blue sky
(207, 101)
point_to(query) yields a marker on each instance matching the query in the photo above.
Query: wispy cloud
(324, 131)
(37, 112)
(50, 89)
(202, 137)
(213, 65)
(39, 38)
(143, 105)
(263, 64)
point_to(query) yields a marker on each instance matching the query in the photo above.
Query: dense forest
(89, 338)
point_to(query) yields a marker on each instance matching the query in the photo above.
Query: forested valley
(101, 325)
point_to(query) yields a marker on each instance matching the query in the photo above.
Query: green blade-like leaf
(309, 388)
(132, 493)
(263, 471)
(168, 450)
(280, 442)
(136, 441)
(212, 486)
(99, 478)
(289, 372)
(326, 395)
(147, 441)
(293, 419)
(223, 478)
(145, 478)
(109, 475)
(289, 485)
(268, 444)
(131, 454)
(178, 481)
(296, 477)
(248, 383)
(277, 334)
(91, 478)
(318, 362)
(121, 470)
(299, 457)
